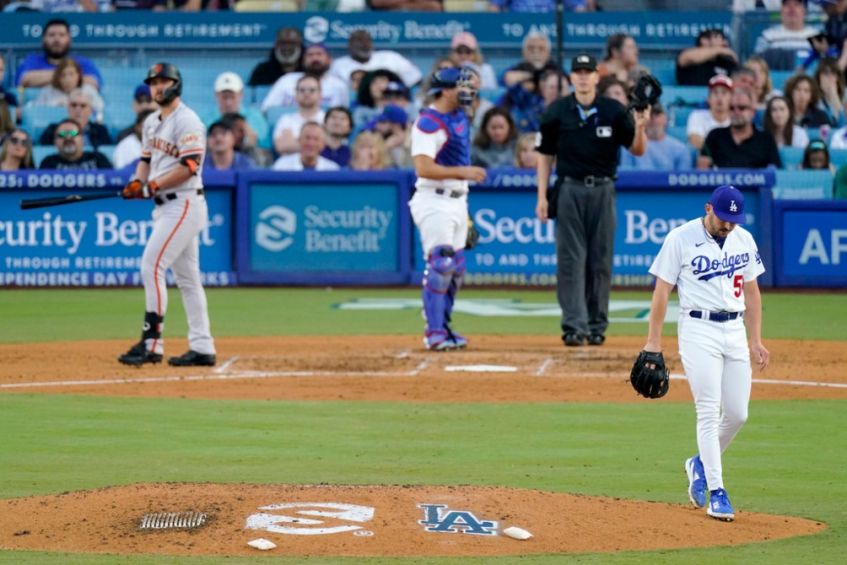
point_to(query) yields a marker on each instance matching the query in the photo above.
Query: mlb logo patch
(604, 131)
(437, 518)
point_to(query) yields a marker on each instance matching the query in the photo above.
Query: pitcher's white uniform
(180, 215)
(710, 283)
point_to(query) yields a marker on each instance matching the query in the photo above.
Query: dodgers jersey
(447, 139)
(707, 276)
(166, 142)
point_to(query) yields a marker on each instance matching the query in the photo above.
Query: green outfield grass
(51, 315)
(789, 459)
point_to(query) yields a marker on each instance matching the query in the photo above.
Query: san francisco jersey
(166, 142)
(708, 276)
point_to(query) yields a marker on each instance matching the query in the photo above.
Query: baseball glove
(649, 377)
(646, 93)
(473, 236)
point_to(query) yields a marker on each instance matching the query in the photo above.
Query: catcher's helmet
(453, 77)
(166, 70)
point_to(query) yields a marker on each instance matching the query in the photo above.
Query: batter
(173, 146)
(714, 264)
(441, 155)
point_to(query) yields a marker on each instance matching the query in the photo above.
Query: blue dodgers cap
(444, 78)
(728, 204)
(394, 114)
(142, 91)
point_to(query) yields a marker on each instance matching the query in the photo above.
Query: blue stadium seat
(792, 157)
(678, 132)
(803, 185)
(36, 118)
(838, 157)
(30, 95)
(666, 76)
(688, 94)
(39, 152)
(492, 94)
(255, 94)
(778, 79)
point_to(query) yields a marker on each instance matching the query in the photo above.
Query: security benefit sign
(813, 250)
(298, 231)
(97, 243)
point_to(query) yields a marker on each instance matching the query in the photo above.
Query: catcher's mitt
(649, 377)
(473, 236)
(646, 93)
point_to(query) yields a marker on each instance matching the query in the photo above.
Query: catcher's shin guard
(440, 266)
(450, 298)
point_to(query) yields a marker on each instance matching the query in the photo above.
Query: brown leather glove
(137, 189)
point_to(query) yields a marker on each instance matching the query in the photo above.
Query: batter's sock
(151, 333)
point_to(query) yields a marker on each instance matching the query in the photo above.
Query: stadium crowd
(782, 107)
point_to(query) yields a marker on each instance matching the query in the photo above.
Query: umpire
(584, 133)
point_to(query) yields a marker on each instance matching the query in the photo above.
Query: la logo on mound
(275, 228)
(310, 518)
(437, 518)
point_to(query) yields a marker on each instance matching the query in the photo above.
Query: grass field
(789, 459)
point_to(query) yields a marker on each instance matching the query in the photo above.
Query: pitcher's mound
(331, 520)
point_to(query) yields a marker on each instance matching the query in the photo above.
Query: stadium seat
(465, 5)
(30, 95)
(36, 118)
(492, 94)
(255, 94)
(666, 76)
(688, 94)
(678, 132)
(778, 78)
(838, 157)
(39, 152)
(803, 185)
(792, 157)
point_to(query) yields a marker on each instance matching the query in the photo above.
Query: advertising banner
(94, 243)
(659, 30)
(812, 249)
(319, 227)
(516, 248)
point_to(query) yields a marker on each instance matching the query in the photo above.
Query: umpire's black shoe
(138, 355)
(596, 339)
(573, 339)
(193, 359)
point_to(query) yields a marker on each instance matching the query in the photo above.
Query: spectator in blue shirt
(338, 125)
(540, 5)
(36, 70)
(664, 153)
(221, 154)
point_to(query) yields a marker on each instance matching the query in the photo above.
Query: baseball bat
(31, 203)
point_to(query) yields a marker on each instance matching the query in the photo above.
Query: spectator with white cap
(361, 55)
(229, 93)
(316, 62)
(701, 122)
(465, 51)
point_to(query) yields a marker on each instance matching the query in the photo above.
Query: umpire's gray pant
(585, 234)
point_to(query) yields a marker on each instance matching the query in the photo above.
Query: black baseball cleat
(138, 355)
(596, 339)
(573, 339)
(193, 359)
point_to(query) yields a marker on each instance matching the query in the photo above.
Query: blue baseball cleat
(696, 481)
(719, 506)
(458, 340)
(438, 340)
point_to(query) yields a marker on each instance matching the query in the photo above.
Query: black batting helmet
(166, 70)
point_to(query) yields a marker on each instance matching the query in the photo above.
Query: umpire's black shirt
(585, 142)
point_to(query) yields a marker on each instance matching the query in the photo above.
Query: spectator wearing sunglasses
(465, 51)
(79, 111)
(71, 153)
(741, 145)
(16, 151)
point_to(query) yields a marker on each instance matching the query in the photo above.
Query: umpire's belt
(715, 316)
(450, 193)
(590, 180)
(162, 198)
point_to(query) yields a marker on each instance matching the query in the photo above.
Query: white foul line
(225, 365)
(543, 367)
(276, 374)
